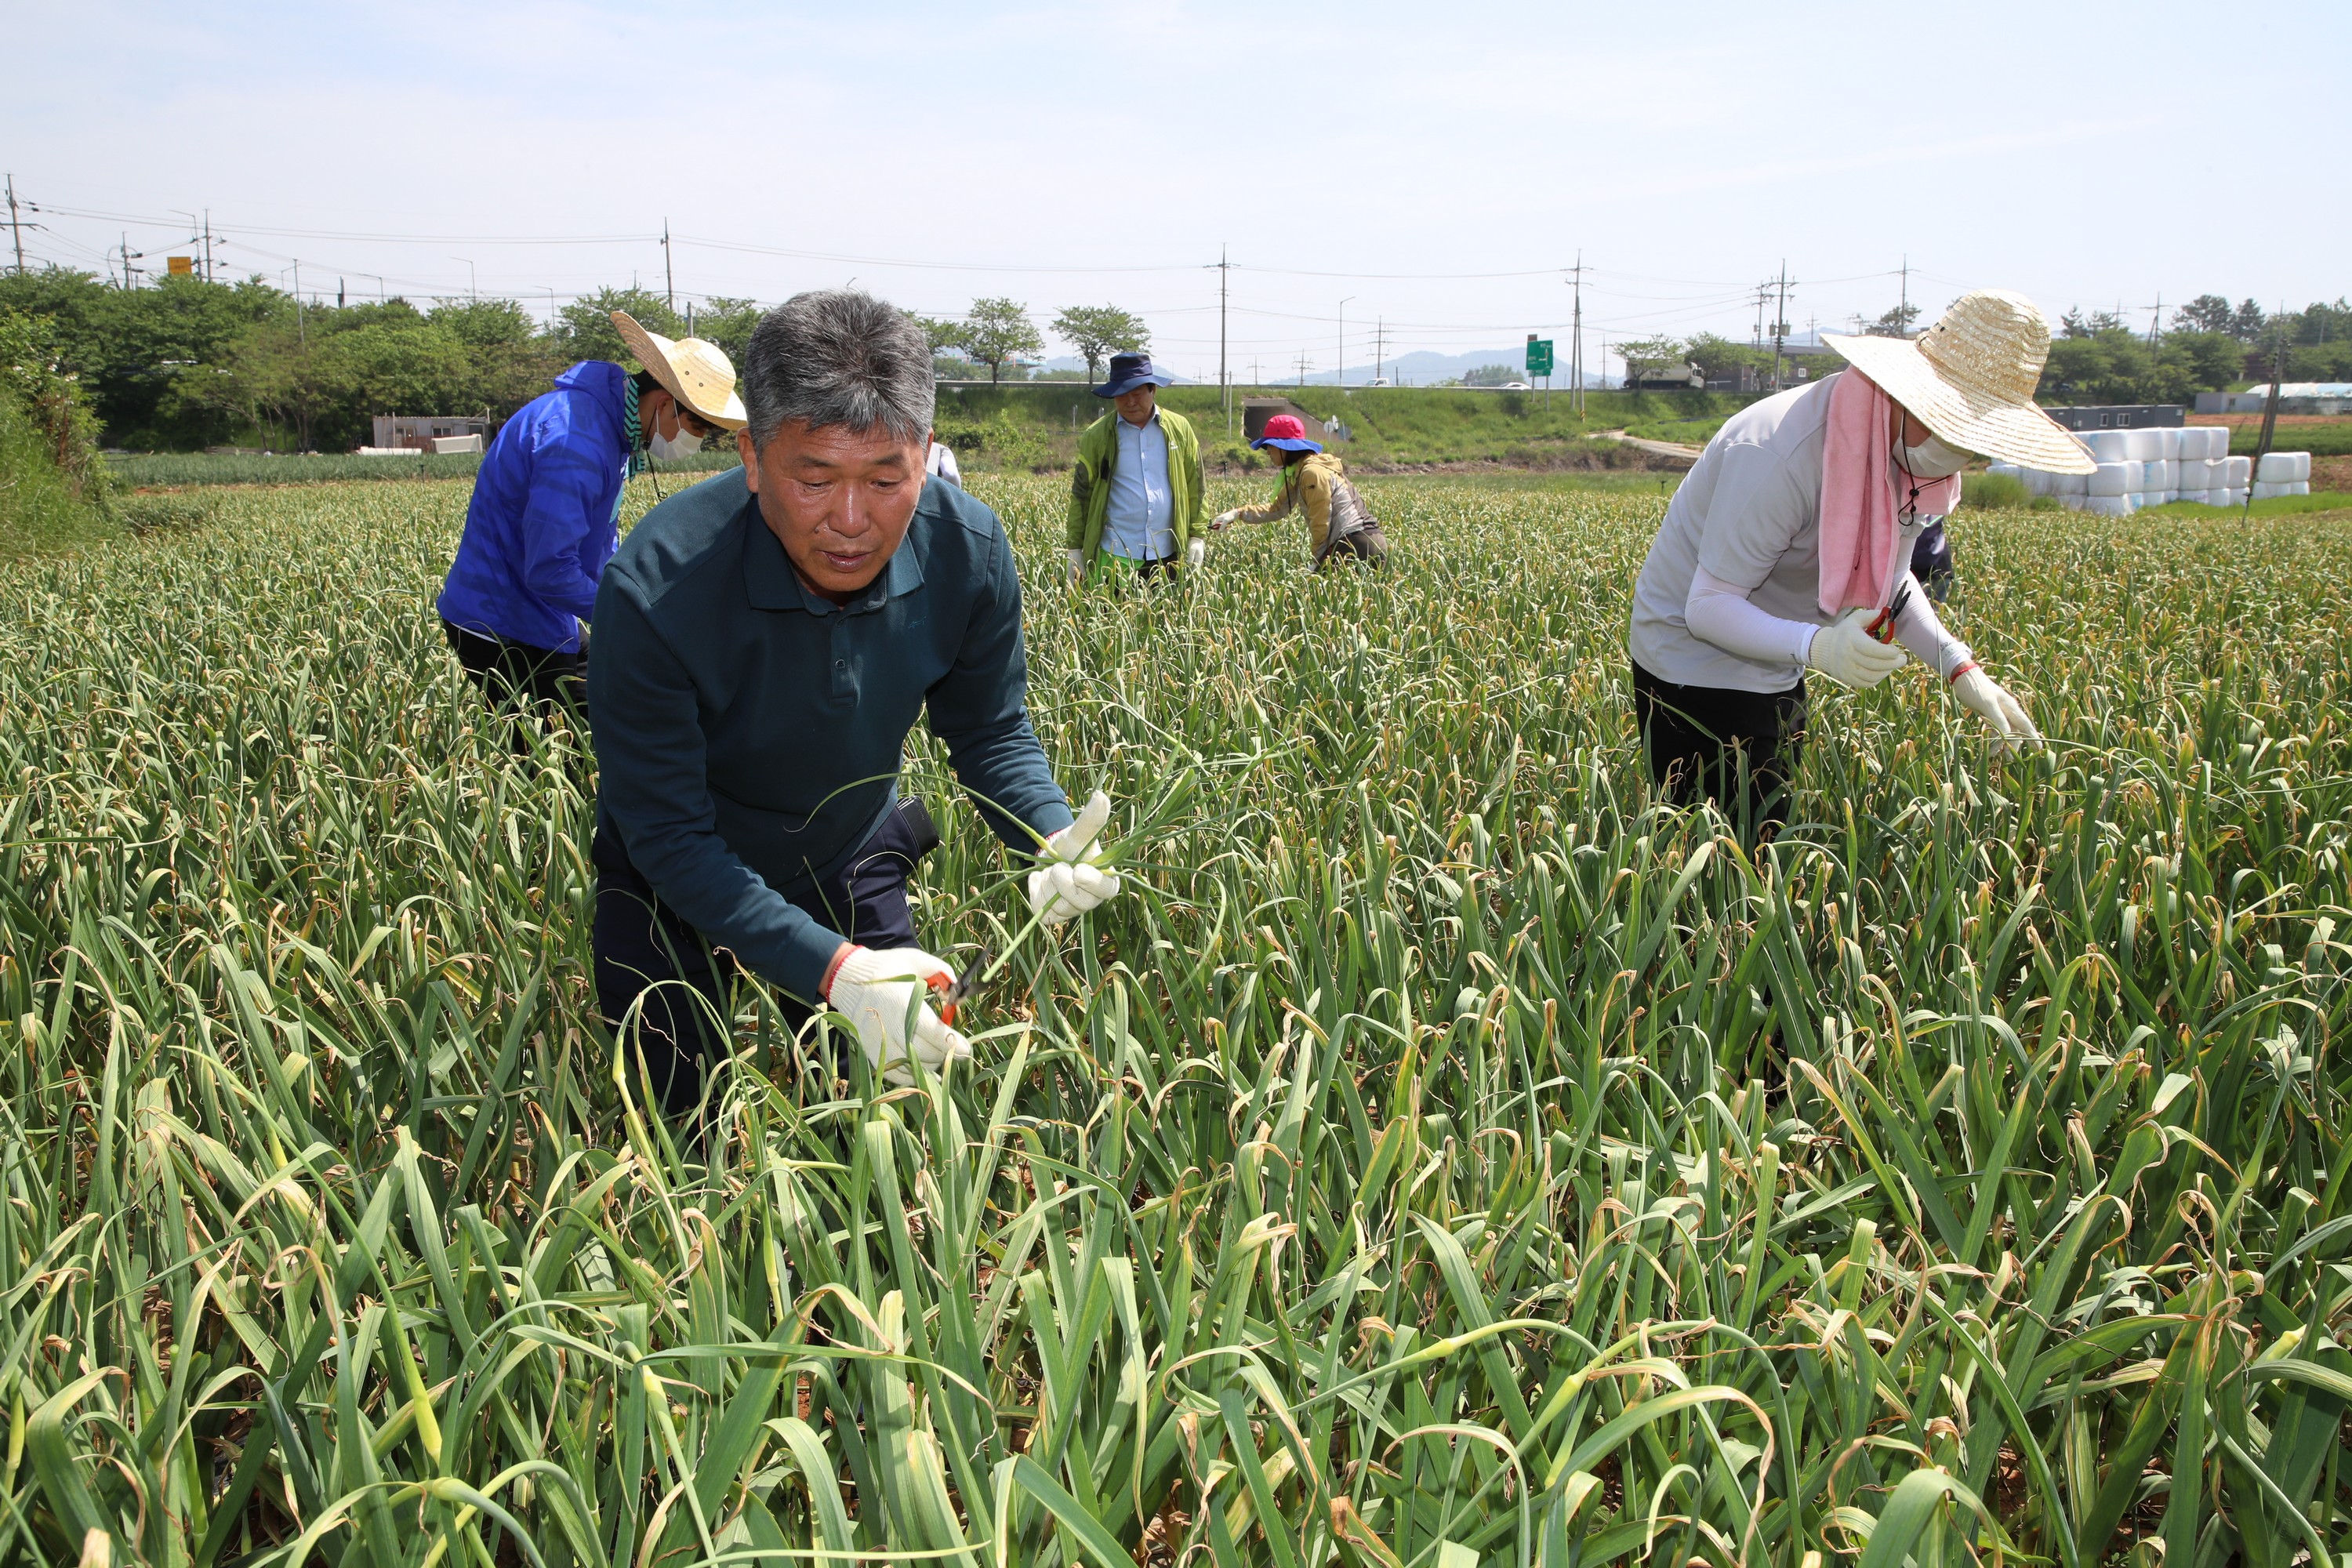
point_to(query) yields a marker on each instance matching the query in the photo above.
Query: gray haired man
(764, 642)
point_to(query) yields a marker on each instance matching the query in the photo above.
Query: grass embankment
(2322, 437)
(1037, 424)
(1440, 1156)
(173, 470)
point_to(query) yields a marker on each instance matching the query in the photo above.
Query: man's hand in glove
(1850, 656)
(883, 994)
(1223, 519)
(1068, 881)
(1989, 699)
(1196, 552)
(1077, 564)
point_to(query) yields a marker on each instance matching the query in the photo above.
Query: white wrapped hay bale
(2106, 446)
(2238, 472)
(2199, 473)
(2109, 506)
(2143, 445)
(2113, 480)
(2167, 442)
(2163, 474)
(2284, 467)
(2210, 442)
(2197, 498)
(2070, 484)
(2273, 490)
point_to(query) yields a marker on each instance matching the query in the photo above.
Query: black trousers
(1367, 544)
(1738, 749)
(510, 673)
(641, 947)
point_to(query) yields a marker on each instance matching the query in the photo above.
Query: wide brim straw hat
(698, 373)
(1970, 379)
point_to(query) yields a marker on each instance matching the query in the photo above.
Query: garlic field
(1444, 1158)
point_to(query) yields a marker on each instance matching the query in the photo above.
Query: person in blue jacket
(545, 514)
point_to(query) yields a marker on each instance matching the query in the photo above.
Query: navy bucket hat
(1128, 372)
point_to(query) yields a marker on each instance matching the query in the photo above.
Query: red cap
(1284, 427)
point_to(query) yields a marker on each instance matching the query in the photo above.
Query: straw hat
(1970, 379)
(699, 375)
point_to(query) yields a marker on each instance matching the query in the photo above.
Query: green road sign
(1539, 356)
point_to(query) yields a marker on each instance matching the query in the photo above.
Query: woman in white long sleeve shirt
(1737, 602)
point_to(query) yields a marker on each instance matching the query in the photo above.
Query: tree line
(2208, 345)
(185, 363)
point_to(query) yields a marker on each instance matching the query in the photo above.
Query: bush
(54, 488)
(1990, 491)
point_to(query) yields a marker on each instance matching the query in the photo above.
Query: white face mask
(1930, 459)
(684, 444)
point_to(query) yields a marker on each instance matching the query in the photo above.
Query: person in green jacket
(1136, 494)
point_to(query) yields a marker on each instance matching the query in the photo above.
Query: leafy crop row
(1442, 1158)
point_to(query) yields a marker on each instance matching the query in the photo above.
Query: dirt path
(1658, 449)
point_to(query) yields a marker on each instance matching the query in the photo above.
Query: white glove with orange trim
(1067, 881)
(883, 994)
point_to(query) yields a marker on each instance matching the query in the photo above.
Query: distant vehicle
(1516, 386)
(1650, 377)
(1379, 380)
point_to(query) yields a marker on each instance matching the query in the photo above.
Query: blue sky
(1078, 153)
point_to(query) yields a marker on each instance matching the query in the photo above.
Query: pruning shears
(962, 989)
(1881, 625)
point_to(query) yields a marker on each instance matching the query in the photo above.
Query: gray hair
(838, 356)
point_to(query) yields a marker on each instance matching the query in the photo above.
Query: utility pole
(670, 282)
(1903, 312)
(1302, 368)
(1224, 380)
(1379, 344)
(208, 251)
(2270, 417)
(1763, 294)
(1781, 324)
(16, 225)
(302, 333)
(1576, 340)
(1343, 343)
(2156, 321)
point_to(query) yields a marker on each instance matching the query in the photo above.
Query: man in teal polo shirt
(764, 642)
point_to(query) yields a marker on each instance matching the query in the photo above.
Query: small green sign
(1539, 356)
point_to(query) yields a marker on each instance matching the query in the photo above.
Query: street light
(472, 294)
(1343, 342)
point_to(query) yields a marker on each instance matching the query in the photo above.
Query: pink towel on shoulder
(1861, 517)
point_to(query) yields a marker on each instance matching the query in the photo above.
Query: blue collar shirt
(1140, 523)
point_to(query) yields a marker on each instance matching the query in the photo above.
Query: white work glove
(1986, 697)
(1077, 564)
(1850, 655)
(1067, 882)
(880, 992)
(1225, 519)
(1196, 552)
